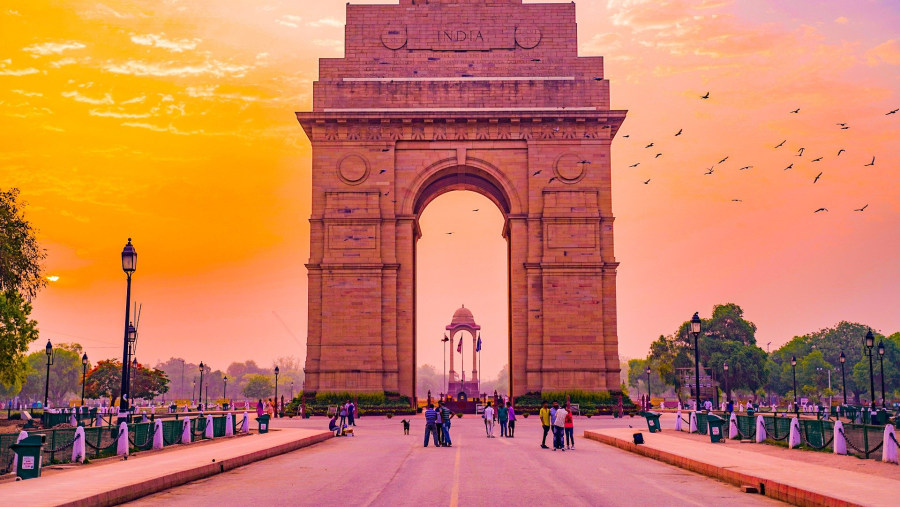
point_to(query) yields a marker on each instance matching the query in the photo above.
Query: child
(570, 431)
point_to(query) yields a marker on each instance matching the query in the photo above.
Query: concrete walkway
(781, 479)
(117, 481)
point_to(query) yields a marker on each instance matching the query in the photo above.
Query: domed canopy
(463, 319)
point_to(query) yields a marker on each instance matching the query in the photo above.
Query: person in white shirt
(559, 424)
(489, 420)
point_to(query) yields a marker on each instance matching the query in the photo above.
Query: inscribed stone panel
(577, 235)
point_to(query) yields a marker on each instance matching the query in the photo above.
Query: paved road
(381, 466)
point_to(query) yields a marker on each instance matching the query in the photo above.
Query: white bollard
(840, 443)
(158, 442)
(229, 424)
(889, 447)
(73, 421)
(208, 433)
(122, 442)
(760, 429)
(245, 424)
(186, 430)
(794, 437)
(733, 427)
(78, 447)
(678, 420)
(22, 436)
(693, 427)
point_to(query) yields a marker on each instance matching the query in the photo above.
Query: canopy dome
(462, 316)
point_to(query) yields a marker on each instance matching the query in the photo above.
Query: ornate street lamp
(292, 390)
(202, 367)
(843, 378)
(881, 360)
(132, 372)
(445, 339)
(193, 390)
(49, 351)
(648, 386)
(224, 387)
(870, 342)
(129, 265)
(794, 373)
(276, 390)
(727, 391)
(84, 363)
(695, 330)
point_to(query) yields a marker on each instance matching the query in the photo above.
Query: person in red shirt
(570, 431)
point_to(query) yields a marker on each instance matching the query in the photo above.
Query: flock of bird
(800, 153)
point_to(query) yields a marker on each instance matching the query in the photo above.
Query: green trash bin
(263, 421)
(29, 454)
(750, 412)
(716, 426)
(653, 421)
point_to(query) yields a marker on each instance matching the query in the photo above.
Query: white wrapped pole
(99, 421)
(840, 443)
(760, 429)
(122, 442)
(889, 448)
(678, 420)
(73, 421)
(209, 427)
(733, 427)
(693, 427)
(78, 445)
(245, 424)
(22, 436)
(229, 424)
(186, 430)
(794, 438)
(158, 442)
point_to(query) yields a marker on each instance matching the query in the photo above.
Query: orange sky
(172, 122)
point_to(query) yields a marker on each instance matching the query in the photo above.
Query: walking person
(259, 408)
(512, 419)
(351, 416)
(503, 418)
(489, 420)
(430, 427)
(544, 415)
(559, 423)
(446, 416)
(569, 428)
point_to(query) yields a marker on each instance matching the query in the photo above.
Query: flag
(478, 347)
(459, 347)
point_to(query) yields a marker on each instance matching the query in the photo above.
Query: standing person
(544, 415)
(350, 415)
(559, 424)
(439, 427)
(343, 412)
(489, 420)
(512, 419)
(569, 427)
(446, 416)
(503, 418)
(259, 408)
(430, 428)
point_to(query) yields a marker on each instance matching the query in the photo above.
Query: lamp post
(224, 387)
(727, 391)
(202, 367)
(129, 264)
(648, 386)
(794, 374)
(881, 361)
(843, 378)
(193, 390)
(49, 350)
(276, 390)
(695, 330)
(445, 339)
(292, 390)
(870, 342)
(84, 363)
(132, 374)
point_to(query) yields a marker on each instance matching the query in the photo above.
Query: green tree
(258, 386)
(65, 374)
(147, 383)
(17, 331)
(21, 257)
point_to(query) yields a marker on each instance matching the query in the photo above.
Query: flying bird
(585, 162)
(789, 167)
(736, 200)
(841, 124)
(649, 145)
(795, 111)
(385, 149)
(841, 151)
(552, 179)
(862, 209)
(705, 96)
(382, 171)
(709, 171)
(678, 133)
(870, 163)
(817, 159)
(745, 167)
(891, 112)
(535, 59)
(845, 128)
(598, 79)
(781, 143)
(627, 135)
(801, 150)
(536, 172)
(658, 155)
(386, 193)
(817, 177)
(821, 209)
(476, 209)
(723, 160)
(647, 182)
(448, 233)
(635, 165)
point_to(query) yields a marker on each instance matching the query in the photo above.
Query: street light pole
(276, 391)
(202, 367)
(292, 390)
(870, 342)
(84, 363)
(794, 374)
(193, 390)
(881, 360)
(843, 378)
(224, 387)
(695, 330)
(648, 386)
(446, 387)
(49, 350)
(129, 264)
(727, 391)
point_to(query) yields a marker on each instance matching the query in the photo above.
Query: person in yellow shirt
(545, 423)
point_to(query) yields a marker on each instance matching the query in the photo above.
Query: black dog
(405, 426)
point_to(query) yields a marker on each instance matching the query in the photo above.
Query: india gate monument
(489, 96)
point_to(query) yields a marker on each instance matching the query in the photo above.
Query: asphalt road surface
(381, 466)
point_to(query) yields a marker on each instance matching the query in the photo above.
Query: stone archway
(509, 111)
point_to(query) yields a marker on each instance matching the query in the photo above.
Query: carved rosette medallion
(569, 168)
(353, 169)
(394, 36)
(528, 36)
